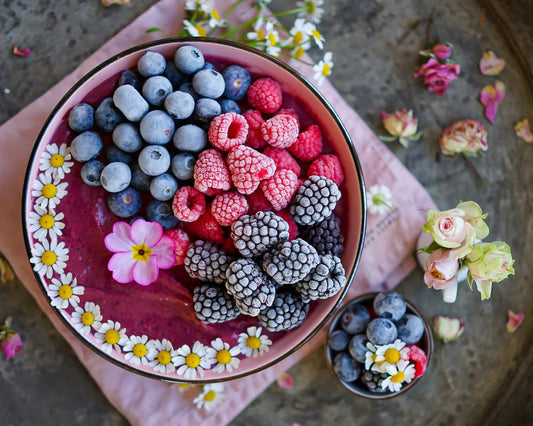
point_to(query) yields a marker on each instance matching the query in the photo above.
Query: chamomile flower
(194, 30)
(65, 291)
(48, 257)
(379, 199)
(224, 357)
(136, 349)
(215, 20)
(160, 356)
(317, 37)
(48, 191)
(183, 387)
(323, 68)
(191, 361)
(55, 161)
(202, 5)
(300, 34)
(45, 223)
(272, 46)
(257, 33)
(391, 354)
(210, 397)
(314, 10)
(401, 373)
(111, 335)
(252, 343)
(87, 317)
(371, 363)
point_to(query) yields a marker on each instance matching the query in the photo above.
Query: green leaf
(469, 280)
(415, 137)
(404, 141)
(387, 138)
(430, 248)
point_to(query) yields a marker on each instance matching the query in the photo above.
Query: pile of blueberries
(158, 118)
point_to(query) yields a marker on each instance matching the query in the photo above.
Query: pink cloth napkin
(387, 255)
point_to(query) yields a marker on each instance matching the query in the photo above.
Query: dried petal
(491, 97)
(6, 273)
(285, 381)
(490, 64)
(514, 321)
(118, 2)
(19, 52)
(523, 130)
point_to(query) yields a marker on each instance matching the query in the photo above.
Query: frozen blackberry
(256, 234)
(373, 380)
(325, 236)
(253, 291)
(315, 200)
(206, 262)
(213, 304)
(287, 312)
(324, 281)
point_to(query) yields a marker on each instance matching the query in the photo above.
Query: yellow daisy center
(201, 30)
(164, 357)
(183, 385)
(65, 292)
(298, 37)
(299, 52)
(260, 35)
(87, 318)
(311, 7)
(392, 356)
(49, 258)
(253, 342)
(57, 160)
(112, 336)
(139, 350)
(326, 70)
(141, 252)
(374, 356)
(272, 39)
(223, 356)
(49, 190)
(192, 360)
(210, 396)
(47, 221)
(398, 377)
(316, 34)
(215, 14)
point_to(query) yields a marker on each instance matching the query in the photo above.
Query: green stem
(232, 8)
(297, 59)
(448, 379)
(287, 12)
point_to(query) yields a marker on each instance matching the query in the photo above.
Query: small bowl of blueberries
(379, 345)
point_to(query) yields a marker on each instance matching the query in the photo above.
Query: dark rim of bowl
(367, 393)
(285, 67)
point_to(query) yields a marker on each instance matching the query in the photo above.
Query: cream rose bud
(400, 123)
(447, 228)
(440, 269)
(466, 136)
(448, 329)
(474, 216)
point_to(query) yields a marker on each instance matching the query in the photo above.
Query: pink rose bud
(440, 269)
(466, 136)
(12, 345)
(441, 52)
(438, 76)
(400, 123)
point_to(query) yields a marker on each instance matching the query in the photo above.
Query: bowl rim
(192, 40)
(367, 393)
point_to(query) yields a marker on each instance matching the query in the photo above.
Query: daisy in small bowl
(55, 161)
(223, 356)
(49, 257)
(211, 396)
(189, 361)
(65, 291)
(160, 356)
(253, 343)
(111, 335)
(48, 191)
(136, 348)
(391, 354)
(401, 373)
(45, 223)
(86, 318)
(371, 362)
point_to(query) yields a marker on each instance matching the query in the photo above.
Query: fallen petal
(285, 381)
(523, 130)
(487, 95)
(118, 2)
(491, 110)
(514, 321)
(19, 52)
(499, 90)
(490, 64)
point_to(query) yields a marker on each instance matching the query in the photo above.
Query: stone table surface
(491, 370)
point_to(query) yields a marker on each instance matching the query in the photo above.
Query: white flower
(189, 362)
(202, 5)
(160, 356)
(194, 30)
(55, 161)
(49, 257)
(210, 397)
(223, 356)
(379, 199)
(313, 11)
(402, 372)
(323, 68)
(272, 40)
(370, 359)
(300, 34)
(65, 291)
(47, 191)
(318, 38)
(111, 336)
(391, 354)
(252, 343)
(85, 318)
(257, 33)
(136, 349)
(45, 223)
(215, 20)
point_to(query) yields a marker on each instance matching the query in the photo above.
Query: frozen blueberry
(338, 340)
(156, 89)
(157, 127)
(90, 172)
(189, 59)
(190, 138)
(125, 203)
(175, 77)
(86, 146)
(115, 177)
(81, 117)
(151, 63)
(107, 116)
(163, 187)
(355, 319)
(161, 212)
(154, 160)
(357, 347)
(187, 88)
(237, 81)
(130, 102)
(345, 367)
(208, 83)
(129, 77)
(115, 154)
(183, 165)
(139, 179)
(206, 109)
(389, 305)
(179, 105)
(410, 328)
(381, 331)
(208, 66)
(227, 105)
(127, 137)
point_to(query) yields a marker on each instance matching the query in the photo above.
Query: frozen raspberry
(248, 168)
(206, 228)
(283, 159)
(228, 207)
(280, 188)
(227, 130)
(181, 243)
(188, 204)
(291, 112)
(308, 146)
(419, 358)
(280, 131)
(255, 121)
(265, 95)
(210, 172)
(329, 166)
(257, 202)
(229, 247)
(293, 227)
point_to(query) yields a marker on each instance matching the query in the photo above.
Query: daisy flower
(257, 33)
(111, 336)
(391, 354)
(371, 364)
(136, 349)
(316, 36)
(300, 34)
(272, 40)
(323, 68)
(183, 387)
(379, 199)
(252, 343)
(210, 397)
(314, 10)
(55, 161)
(202, 5)
(194, 30)
(65, 291)
(48, 191)
(49, 257)
(160, 356)
(85, 318)
(223, 356)
(401, 373)
(191, 361)
(45, 223)
(215, 20)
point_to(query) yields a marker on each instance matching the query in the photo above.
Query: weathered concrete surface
(490, 369)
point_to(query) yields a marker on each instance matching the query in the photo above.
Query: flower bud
(441, 52)
(12, 345)
(466, 136)
(400, 123)
(448, 329)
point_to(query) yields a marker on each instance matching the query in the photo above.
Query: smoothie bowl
(227, 257)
